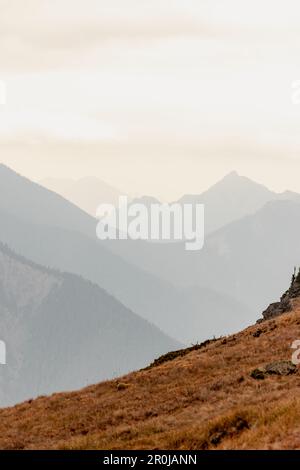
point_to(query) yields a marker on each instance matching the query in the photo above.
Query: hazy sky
(160, 97)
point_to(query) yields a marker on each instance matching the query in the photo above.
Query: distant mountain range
(62, 332)
(190, 296)
(87, 193)
(51, 231)
(222, 205)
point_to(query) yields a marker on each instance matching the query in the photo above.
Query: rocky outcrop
(285, 304)
(274, 368)
(277, 308)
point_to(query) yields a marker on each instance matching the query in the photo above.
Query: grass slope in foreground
(205, 399)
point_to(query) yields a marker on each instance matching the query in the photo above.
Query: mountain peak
(235, 177)
(232, 175)
(233, 181)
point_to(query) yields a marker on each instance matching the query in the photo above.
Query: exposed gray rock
(274, 368)
(277, 308)
(280, 368)
(284, 305)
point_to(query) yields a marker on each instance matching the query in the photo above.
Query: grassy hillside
(201, 398)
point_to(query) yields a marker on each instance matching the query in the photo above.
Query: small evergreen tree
(294, 277)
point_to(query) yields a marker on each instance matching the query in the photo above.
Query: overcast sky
(160, 97)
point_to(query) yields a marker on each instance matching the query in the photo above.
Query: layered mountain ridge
(62, 332)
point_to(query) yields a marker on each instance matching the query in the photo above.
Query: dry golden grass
(203, 400)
